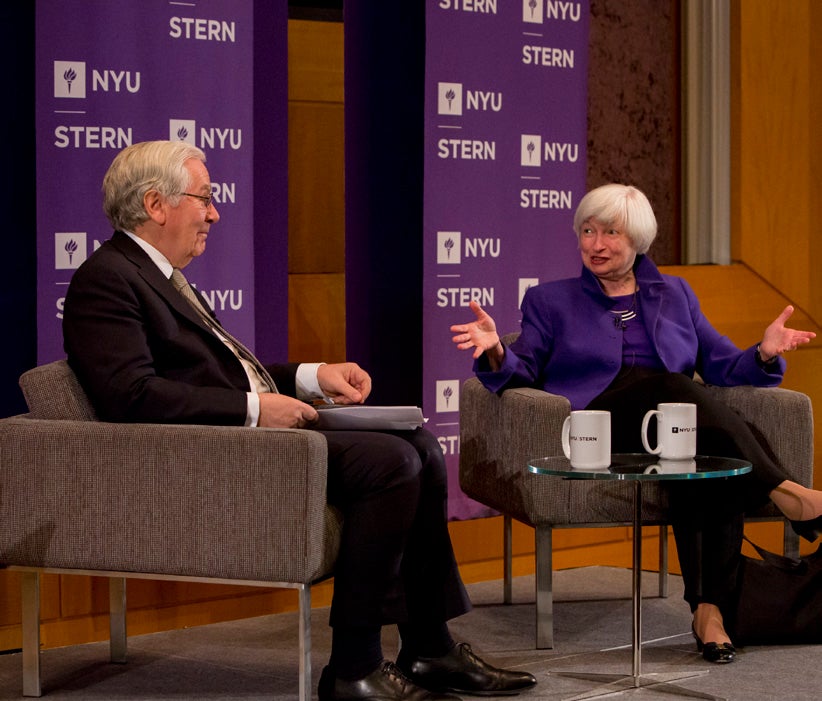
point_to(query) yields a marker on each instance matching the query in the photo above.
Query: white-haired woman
(623, 337)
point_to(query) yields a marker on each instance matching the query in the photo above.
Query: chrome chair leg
(305, 642)
(543, 537)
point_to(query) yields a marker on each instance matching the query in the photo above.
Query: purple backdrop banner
(111, 73)
(505, 166)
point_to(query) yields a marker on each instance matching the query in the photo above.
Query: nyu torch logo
(70, 79)
(182, 130)
(448, 396)
(69, 250)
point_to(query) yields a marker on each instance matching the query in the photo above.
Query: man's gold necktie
(184, 288)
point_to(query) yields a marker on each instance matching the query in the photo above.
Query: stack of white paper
(369, 418)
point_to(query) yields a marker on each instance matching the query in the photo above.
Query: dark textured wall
(634, 107)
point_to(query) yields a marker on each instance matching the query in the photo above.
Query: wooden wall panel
(316, 312)
(316, 211)
(773, 223)
(815, 151)
(738, 301)
(316, 200)
(315, 61)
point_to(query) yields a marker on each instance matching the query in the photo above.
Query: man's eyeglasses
(205, 199)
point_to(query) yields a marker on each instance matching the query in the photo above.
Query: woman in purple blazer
(623, 337)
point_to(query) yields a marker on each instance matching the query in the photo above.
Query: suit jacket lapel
(155, 278)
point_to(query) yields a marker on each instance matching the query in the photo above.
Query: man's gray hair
(148, 165)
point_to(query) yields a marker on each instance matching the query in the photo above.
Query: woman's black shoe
(810, 530)
(718, 653)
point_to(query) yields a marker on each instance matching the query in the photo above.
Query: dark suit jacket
(140, 350)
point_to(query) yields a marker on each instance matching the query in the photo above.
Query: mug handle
(644, 433)
(566, 437)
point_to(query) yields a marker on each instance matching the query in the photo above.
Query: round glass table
(639, 468)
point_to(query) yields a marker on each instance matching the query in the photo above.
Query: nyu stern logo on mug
(586, 439)
(676, 431)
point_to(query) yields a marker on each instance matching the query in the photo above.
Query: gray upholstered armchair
(500, 433)
(200, 503)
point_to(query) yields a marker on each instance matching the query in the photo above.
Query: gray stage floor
(256, 658)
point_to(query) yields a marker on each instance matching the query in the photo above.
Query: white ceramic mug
(586, 439)
(676, 430)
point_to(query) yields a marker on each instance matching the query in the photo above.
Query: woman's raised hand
(778, 338)
(481, 335)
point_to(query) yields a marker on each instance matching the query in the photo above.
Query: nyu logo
(533, 152)
(533, 11)
(69, 250)
(449, 98)
(210, 137)
(450, 102)
(530, 150)
(70, 79)
(182, 130)
(448, 396)
(450, 250)
(449, 247)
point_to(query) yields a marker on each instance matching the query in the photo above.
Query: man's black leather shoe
(386, 683)
(462, 672)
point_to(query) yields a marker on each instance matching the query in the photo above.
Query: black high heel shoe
(810, 530)
(718, 653)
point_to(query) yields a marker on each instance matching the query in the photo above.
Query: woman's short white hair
(148, 165)
(623, 207)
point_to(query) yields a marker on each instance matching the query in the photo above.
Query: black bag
(779, 600)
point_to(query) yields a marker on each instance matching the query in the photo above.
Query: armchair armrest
(498, 434)
(784, 418)
(203, 501)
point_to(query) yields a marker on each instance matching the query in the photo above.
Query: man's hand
(282, 411)
(778, 338)
(345, 383)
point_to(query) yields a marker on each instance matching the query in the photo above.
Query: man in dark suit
(146, 348)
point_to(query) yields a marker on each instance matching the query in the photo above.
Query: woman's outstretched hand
(481, 335)
(779, 338)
